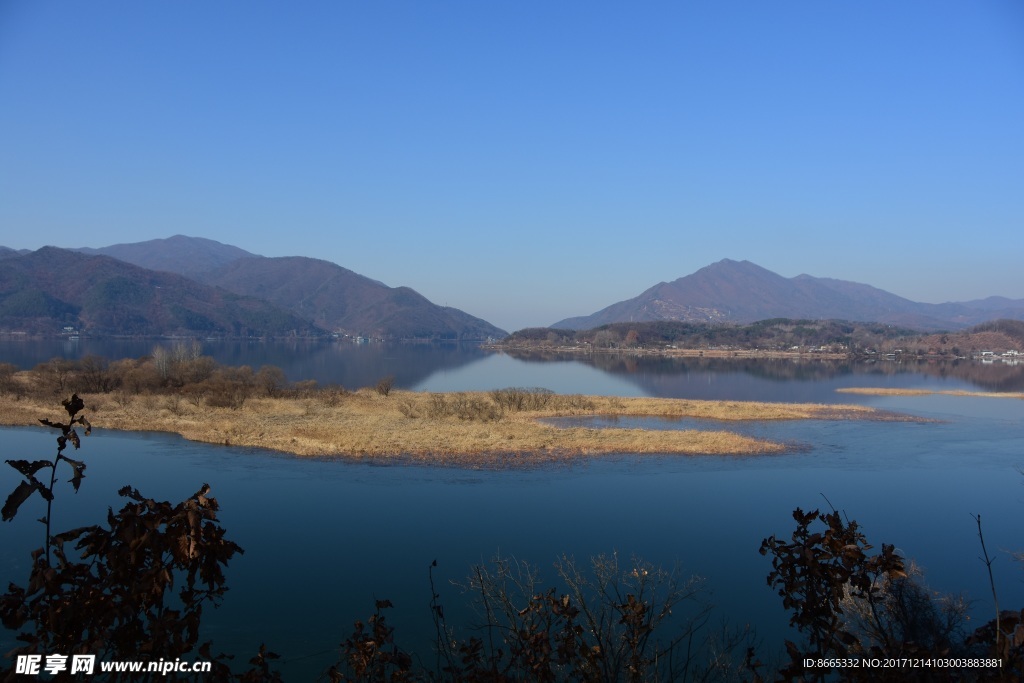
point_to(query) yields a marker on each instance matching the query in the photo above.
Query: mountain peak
(181, 254)
(744, 292)
(731, 264)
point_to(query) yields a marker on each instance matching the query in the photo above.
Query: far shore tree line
(781, 334)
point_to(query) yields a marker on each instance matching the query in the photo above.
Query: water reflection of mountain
(352, 365)
(327, 362)
(359, 365)
(991, 377)
(759, 378)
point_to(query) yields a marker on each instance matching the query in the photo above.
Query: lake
(325, 537)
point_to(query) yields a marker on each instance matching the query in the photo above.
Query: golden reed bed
(431, 426)
(874, 391)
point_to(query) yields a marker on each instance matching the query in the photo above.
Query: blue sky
(529, 161)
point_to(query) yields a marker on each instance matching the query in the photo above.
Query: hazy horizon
(493, 156)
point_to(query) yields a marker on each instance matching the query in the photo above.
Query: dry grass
(432, 426)
(873, 391)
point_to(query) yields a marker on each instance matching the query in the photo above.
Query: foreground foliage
(137, 585)
(135, 588)
(850, 604)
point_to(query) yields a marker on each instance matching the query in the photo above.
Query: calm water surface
(323, 537)
(468, 367)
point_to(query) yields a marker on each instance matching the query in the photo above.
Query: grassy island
(448, 427)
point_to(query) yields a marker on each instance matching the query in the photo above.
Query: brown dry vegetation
(178, 390)
(876, 391)
(966, 342)
(429, 425)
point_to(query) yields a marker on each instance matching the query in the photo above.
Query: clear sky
(529, 161)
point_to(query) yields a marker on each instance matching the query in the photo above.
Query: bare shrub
(438, 407)
(8, 385)
(195, 370)
(139, 376)
(53, 378)
(407, 408)
(606, 339)
(194, 394)
(182, 364)
(229, 387)
(162, 361)
(510, 398)
(304, 388)
(464, 407)
(609, 622)
(907, 612)
(385, 384)
(372, 655)
(271, 380)
(332, 395)
(97, 403)
(173, 404)
(571, 403)
(95, 376)
(515, 399)
(221, 396)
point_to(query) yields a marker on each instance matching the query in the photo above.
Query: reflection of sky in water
(759, 380)
(497, 371)
(954, 407)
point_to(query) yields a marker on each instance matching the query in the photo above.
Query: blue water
(324, 537)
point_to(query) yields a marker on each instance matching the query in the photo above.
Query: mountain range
(195, 286)
(50, 288)
(743, 292)
(190, 285)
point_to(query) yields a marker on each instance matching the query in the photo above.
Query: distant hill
(324, 295)
(1013, 329)
(996, 307)
(50, 288)
(7, 252)
(179, 254)
(743, 292)
(335, 298)
(773, 335)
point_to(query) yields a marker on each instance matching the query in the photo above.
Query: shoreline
(882, 391)
(680, 352)
(438, 427)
